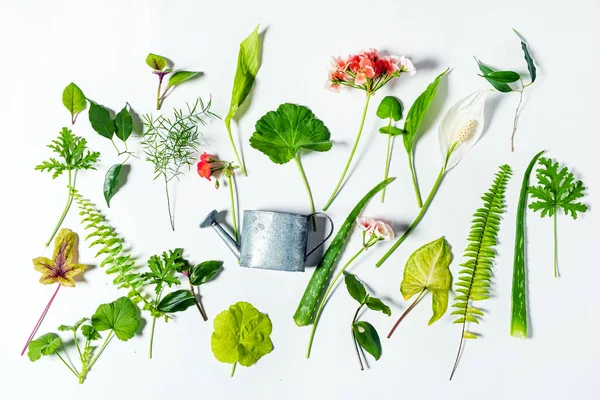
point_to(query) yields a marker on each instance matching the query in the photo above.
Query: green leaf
(111, 182)
(367, 338)
(156, 62)
(247, 68)
(502, 76)
(391, 130)
(428, 268)
(101, 121)
(64, 328)
(123, 124)
(502, 87)
(181, 76)
(119, 316)
(43, 346)
(418, 111)
(390, 107)
(204, 272)
(179, 300)
(355, 287)
(163, 269)
(528, 58)
(242, 334)
(74, 100)
(376, 304)
(90, 333)
(281, 134)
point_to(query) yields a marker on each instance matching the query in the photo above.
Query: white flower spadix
(461, 127)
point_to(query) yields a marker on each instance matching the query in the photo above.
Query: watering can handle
(324, 240)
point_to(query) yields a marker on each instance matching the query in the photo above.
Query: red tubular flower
(204, 169)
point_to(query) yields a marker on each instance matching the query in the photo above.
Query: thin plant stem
(77, 345)
(233, 369)
(70, 187)
(198, 304)
(460, 346)
(91, 364)
(555, 247)
(362, 368)
(158, 98)
(67, 364)
(324, 300)
(413, 176)
(237, 156)
(514, 130)
(233, 210)
(419, 297)
(171, 219)
(152, 336)
(39, 321)
(388, 156)
(360, 129)
(307, 187)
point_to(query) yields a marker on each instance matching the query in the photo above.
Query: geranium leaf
(73, 328)
(63, 266)
(43, 346)
(90, 333)
(367, 337)
(179, 300)
(120, 316)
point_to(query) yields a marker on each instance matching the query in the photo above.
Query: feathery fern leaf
(474, 279)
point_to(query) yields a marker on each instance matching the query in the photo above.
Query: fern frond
(475, 277)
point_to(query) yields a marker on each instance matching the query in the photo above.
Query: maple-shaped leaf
(63, 266)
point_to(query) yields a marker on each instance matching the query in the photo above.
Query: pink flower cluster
(367, 70)
(378, 229)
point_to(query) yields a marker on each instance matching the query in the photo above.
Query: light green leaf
(367, 337)
(376, 304)
(179, 300)
(502, 87)
(101, 121)
(111, 182)
(74, 100)
(391, 130)
(119, 316)
(90, 333)
(428, 269)
(528, 58)
(123, 124)
(73, 328)
(204, 272)
(43, 346)
(181, 76)
(281, 134)
(502, 76)
(247, 68)
(355, 287)
(242, 334)
(156, 62)
(390, 107)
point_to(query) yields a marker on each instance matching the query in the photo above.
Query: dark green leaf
(376, 304)
(355, 287)
(74, 99)
(156, 62)
(101, 121)
(367, 338)
(181, 76)
(179, 300)
(391, 130)
(90, 333)
(123, 124)
(503, 76)
(43, 346)
(528, 58)
(390, 107)
(204, 272)
(111, 182)
(119, 316)
(502, 87)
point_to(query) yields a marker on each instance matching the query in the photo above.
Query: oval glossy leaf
(156, 62)
(503, 76)
(355, 287)
(181, 76)
(123, 124)
(502, 87)
(376, 304)
(179, 300)
(74, 100)
(43, 346)
(111, 182)
(120, 316)
(391, 130)
(204, 272)
(367, 338)
(390, 107)
(101, 121)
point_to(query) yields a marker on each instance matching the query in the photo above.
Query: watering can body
(270, 240)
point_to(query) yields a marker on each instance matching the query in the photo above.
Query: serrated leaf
(101, 120)
(502, 76)
(367, 337)
(181, 76)
(156, 62)
(376, 304)
(177, 301)
(355, 287)
(111, 182)
(502, 87)
(120, 316)
(90, 333)
(391, 130)
(123, 124)
(203, 272)
(74, 100)
(43, 346)
(390, 107)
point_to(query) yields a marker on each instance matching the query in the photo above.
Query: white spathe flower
(463, 123)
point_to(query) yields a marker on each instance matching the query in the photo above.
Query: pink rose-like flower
(407, 66)
(383, 231)
(366, 224)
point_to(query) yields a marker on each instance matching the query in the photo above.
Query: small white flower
(383, 231)
(407, 66)
(366, 224)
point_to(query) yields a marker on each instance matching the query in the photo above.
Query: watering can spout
(210, 220)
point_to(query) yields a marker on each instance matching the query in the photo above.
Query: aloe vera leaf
(518, 321)
(316, 286)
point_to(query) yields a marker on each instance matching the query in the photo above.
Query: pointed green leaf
(101, 121)
(111, 182)
(376, 304)
(502, 87)
(179, 300)
(74, 100)
(390, 107)
(119, 316)
(181, 76)
(469, 335)
(123, 124)
(156, 62)
(43, 346)
(502, 76)
(367, 337)
(73, 328)
(204, 272)
(391, 130)
(355, 287)
(528, 58)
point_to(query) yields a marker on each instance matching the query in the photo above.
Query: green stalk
(237, 156)
(171, 219)
(233, 369)
(413, 176)
(518, 322)
(360, 129)
(152, 336)
(88, 367)
(67, 365)
(307, 187)
(555, 246)
(388, 156)
(70, 187)
(233, 211)
(419, 297)
(362, 368)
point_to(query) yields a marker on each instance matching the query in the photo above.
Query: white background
(102, 46)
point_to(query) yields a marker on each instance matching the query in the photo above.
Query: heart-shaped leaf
(123, 124)
(355, 287)
(390, 107)
(204, 272)
(101, 120)
(181, 76)
(120, 316)
(74, 100)
(179, 300)
(111, 182)
(367, 337)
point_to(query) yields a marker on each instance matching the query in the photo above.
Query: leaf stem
(360, 129)
(88, 367)
(198, 304)
(152, 336)
(419, 297)
(237, 156)
(413, 176)
(67, 364)
(70, 187)
(233, 369)
(325, 297)
(514, 130)
(362, 368)
(158, 99)
(388, 156)
(307, 186)
(171, 219)
(233, 211)
(40, 319)
(555, 246)
(460, 346)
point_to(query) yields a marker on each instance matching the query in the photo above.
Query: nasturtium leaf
(391, 130)
(74, 100)
(73, 328)
(43, 346)
(247, 68)
(281, 134)
(503, 76)
(119, 316)
(90, 333)
(367, 338)
(528, 58)
(242, 334)
(355, 287)
(181, 76)
(123, 124)
(204, 272)
(101, 120)
(428, 269)
(111, 182)
(376, 304)
(179, 300)
(63, 266)
(156, 62)
(390, 107)
(502, 87)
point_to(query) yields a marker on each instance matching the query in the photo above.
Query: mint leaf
(43, 346)
(120, 316)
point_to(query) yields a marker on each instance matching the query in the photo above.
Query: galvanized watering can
(270, 240)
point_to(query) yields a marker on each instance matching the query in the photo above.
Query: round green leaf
(74, 100)
(355, 287)
(111, 182)
(204, 272)
(179, 300)
(43, 346)
(123, 124)
(367, 338)
(101, 121)
(390, 107)
(156, 62)
(119, 316)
